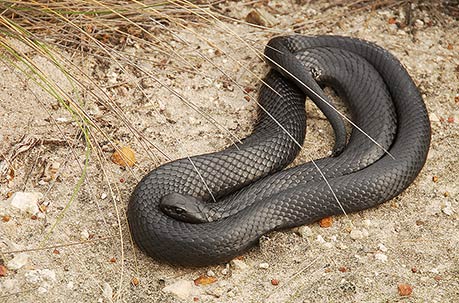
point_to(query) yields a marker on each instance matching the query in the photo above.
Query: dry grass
(104, 31)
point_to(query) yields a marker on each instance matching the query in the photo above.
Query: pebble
(210, 273)
(381, 257)
(447, 208)
(11, 285)
(322, 241)
(341, 246)
(18, 261)
(107, 291)
(40, 275)
(263, 265)
(239, 264)
(357, 234)
(434, 271)
(382, 247)
(367, 223)
(433, 117)
(304, 231)
(84, 234)
(62, 119)
(418, 23)
(26, 201)
(328, 245)
(182, 289)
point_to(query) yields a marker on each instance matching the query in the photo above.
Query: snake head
(183, 208)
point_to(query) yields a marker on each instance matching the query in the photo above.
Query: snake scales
(171, 214)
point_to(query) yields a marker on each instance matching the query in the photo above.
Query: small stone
(11, 285)
(447, 208)
(40, 275)
(107, 291)
(239, 264)
(182, 289)
(217, 292)
(418, 23)
(328, 245)
(18, 261)
(367, 222)
(26, 201)
(84, 234)
(62, 119)
(382, 247)
(381, 257)
(193, 121)
(263, 265)
(357, 234)
(434, 270)
(304, 231)
(341, 246)
(320, 239)
(210, 273)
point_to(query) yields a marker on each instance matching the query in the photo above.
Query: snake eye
(179, 210)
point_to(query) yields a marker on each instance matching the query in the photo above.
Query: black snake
(172, 216)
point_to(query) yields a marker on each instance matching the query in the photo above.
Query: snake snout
(183, 208)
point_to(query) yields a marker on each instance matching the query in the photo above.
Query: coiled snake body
(172, 216)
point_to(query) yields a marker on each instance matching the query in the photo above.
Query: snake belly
(254, 195)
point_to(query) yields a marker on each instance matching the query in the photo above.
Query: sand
(77, 248)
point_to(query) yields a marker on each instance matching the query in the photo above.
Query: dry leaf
(204, 280)
(404, 289)
(124, 156)
(3, 271)
(326, 222)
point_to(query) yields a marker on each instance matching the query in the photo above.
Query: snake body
(171, 214)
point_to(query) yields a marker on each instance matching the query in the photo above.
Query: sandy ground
(78, 248)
